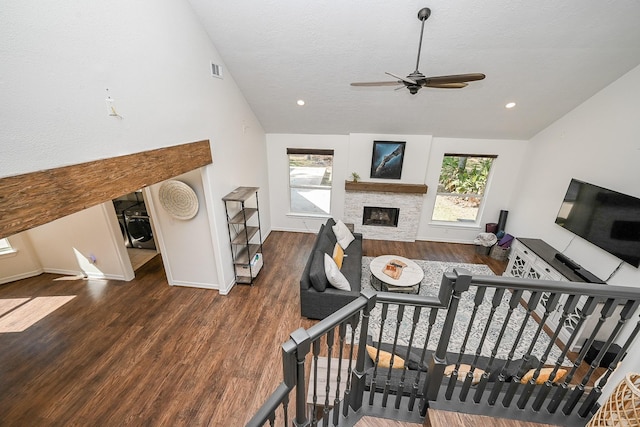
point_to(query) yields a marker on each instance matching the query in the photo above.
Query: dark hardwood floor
(145, 353)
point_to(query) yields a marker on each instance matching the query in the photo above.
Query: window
(461, 187)
(5, 247)
(310, 176)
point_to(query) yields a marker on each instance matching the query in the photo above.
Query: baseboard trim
(21, 276)
(196, 285)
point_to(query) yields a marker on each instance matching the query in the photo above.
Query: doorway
(136, 228)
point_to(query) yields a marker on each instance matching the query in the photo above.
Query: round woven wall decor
(178, 199)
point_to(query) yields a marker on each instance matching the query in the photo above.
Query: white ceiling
(548, 56)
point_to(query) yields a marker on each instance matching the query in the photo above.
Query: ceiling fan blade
(377, 84)
(404, 79)
(446, 85)
(456, 78)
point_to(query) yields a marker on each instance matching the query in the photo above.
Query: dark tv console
(535, 259)
(564, 265)
(577, 269)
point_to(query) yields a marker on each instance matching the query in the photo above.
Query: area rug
(433, 271)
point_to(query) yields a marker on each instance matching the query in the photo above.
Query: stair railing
(470, 346)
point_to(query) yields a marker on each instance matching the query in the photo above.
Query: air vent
(216, 70)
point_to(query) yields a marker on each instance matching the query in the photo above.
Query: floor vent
(216, 70)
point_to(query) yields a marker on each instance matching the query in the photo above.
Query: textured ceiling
(547, 56)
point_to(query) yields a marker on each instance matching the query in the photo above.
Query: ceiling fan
(416, 80)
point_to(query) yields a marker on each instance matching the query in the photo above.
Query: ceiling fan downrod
(423, 15)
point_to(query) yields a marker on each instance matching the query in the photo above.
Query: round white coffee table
(408, 282)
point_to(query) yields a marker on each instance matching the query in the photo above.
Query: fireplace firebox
(383, 217)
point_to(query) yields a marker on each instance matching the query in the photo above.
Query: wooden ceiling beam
(36, 198)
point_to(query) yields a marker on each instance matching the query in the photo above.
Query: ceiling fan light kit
(416, 80)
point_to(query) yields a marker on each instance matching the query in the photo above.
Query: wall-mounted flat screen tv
(606, 218)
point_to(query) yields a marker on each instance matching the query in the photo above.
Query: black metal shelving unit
(245, 236)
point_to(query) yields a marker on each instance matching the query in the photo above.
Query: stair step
(381, 422)
(439, 418)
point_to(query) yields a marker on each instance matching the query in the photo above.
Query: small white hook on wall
(111, 106)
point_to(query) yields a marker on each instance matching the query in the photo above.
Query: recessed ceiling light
(510, 105)
(300, 102)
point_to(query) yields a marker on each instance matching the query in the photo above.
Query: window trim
(317, 152)
(8, 249)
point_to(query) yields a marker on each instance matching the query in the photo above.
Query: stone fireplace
(383, 211)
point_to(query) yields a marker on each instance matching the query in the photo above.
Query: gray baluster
(414, 326)
(387, 384)
(433, 315)
(461, 280)
(285, 410)
(477, 302)
(569, 307)
(374, 376)
(358, 377)
(514, 301)
(515, 383)
(562, 388)
(496, 301)
(627, 311)
(330, 341)
(595, 393)
(347, 391)
(534, 299)
(302, 340)
(342, 330)
(315, 351)
(606, 312)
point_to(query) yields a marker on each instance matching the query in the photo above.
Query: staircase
(457, 356)
(437, 418)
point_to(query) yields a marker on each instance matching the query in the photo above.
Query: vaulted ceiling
(548, 56)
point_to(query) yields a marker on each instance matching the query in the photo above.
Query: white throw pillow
(335, 277)
(343, 235)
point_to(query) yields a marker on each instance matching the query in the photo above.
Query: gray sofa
(318, 298)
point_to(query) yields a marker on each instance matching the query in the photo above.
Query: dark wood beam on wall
(36, 198)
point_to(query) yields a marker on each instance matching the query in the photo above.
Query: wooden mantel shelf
(384, 187)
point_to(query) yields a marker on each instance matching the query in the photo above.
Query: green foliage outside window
(464, 175)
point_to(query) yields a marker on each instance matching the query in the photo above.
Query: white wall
(352, 153)
(188, 261)
(423, 158)
(598, 142)
(500, 188)
(59, 59)
(277, 144)
(64, 246)
(20, 264)
(416, 155)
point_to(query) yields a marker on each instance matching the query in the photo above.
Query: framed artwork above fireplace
(387, 158)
